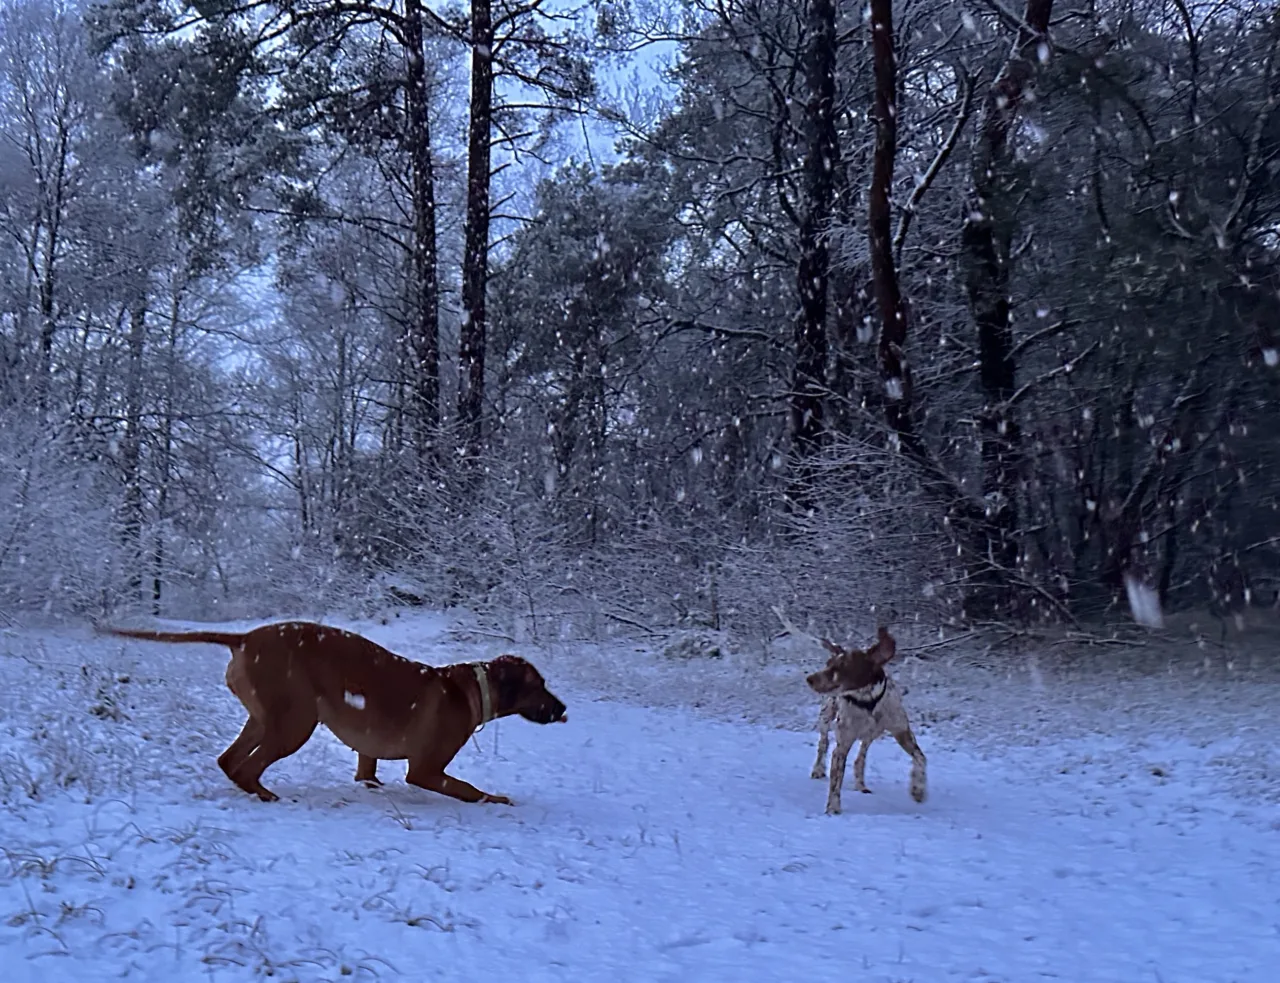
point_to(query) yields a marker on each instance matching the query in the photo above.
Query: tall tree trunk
(424, 342)
(48, 322)
(475, 258)
(809, 379)
(961, 517)
(987, 236)
(302, 481)
(162, 502)
(131, 446)
(55, 195)
(894, 369)
(165, 463)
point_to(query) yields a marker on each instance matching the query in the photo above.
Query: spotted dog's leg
(919, 779)
(826, 717)
(838, 761)
(860, 766)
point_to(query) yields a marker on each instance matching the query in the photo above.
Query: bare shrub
(56, 539)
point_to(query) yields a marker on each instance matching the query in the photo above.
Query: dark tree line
(960, 308)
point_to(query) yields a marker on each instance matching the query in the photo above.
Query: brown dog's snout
(549, 711)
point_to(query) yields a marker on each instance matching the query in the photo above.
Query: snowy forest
(635, 314)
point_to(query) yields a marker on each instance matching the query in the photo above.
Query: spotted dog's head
(854, 669)
(519, 688)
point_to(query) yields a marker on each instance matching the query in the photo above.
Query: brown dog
(296, 674)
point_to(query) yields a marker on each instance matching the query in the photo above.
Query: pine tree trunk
(475, 259)
(424, 341)
(986, 238)
(165, 463)
(131, 448)
(894, 369)
(809, 379)
(962, 519)
(53, 245)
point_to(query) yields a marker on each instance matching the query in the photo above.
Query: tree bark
(48, 322)
(475, 259)
(165, 464)
(894, 370)
(131, 447)
(809, 379)
(986, 238)
(48, 276)
(961, 516)
(424, 342)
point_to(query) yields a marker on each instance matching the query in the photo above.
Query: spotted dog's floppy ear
(831, 646)
(885, 648)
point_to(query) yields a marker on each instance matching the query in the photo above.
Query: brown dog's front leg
(453, 787)
(367, 770)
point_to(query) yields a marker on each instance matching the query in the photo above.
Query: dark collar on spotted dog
(867, 697)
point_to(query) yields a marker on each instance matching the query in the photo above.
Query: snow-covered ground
(1080, 827)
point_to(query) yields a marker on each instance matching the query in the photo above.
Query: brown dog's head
(850, 669)
(519, 688)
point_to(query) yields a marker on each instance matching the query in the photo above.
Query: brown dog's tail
(230, 639)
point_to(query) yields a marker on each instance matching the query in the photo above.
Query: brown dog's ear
(831, 646)
(885, 648)
(507, 677)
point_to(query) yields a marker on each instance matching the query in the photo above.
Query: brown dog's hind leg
(278, 742)
(239, 749)
(453, 787)
(367, 770)
(919, 779)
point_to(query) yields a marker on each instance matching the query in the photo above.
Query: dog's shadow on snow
(809, 797)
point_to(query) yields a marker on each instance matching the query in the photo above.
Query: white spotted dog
(863, 702)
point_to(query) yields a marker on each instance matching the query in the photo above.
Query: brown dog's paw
(500, 800)
(370, 782)
(266, 795)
